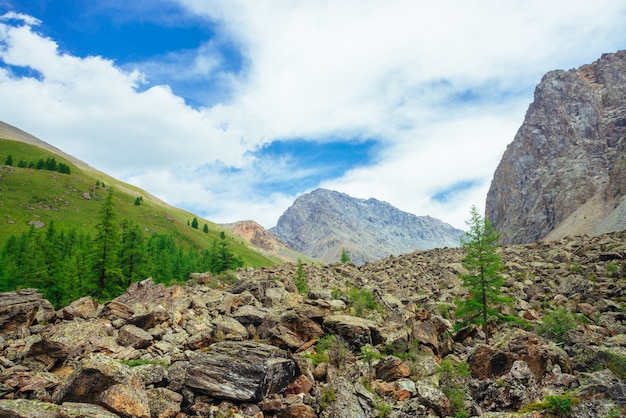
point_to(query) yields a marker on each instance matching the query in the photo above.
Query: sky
(232, 109)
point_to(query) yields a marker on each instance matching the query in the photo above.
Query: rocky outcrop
(564, 173)
(266, 242)
(258, 348)
(322, 223)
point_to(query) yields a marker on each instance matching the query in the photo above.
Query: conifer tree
(9, 160)
(104, 264)
(194, 223)
(483, 281)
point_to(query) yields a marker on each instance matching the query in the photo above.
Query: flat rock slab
(240, 371)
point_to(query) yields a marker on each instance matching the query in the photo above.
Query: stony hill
(322, 223)
(375, 340)
(565, 172)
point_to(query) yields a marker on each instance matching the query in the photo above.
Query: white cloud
(443, 84)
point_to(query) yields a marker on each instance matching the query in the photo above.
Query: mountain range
(324, 223)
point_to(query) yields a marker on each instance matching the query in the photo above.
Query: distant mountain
(267, 243)
(565, 171)
(322, 223)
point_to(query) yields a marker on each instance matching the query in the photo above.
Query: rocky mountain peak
(565, 172)
(323, 222)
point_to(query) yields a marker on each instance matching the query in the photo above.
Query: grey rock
(240, 371)
(563, 173)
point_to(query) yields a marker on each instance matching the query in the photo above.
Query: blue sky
(234, 108)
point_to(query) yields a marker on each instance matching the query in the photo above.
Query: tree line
(49, 164)
(68, 264)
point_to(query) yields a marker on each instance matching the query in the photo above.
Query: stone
(131, 335)
(164, 403)
(19, 310)
(93, 376)
(358, 332)
(240, 371)
(391, 368)
(126, 401)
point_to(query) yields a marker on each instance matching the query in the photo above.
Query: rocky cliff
(375, 340)
(565, 171)
(266, 242)
(322, 223)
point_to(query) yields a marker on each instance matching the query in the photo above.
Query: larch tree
(482, 280)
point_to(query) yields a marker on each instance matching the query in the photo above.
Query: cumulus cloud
(442, 86)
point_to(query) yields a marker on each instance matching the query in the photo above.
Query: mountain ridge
(322, 223)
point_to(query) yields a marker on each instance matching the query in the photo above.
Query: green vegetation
(300, 280)
(483, 279)
(559, 406)
(142, 362)
(328, 395)
(345, 258)
(360, 300)
(557, 323)
(151, 239)
(453, 382)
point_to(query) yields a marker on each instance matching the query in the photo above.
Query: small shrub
(559, 406)
(611, 269)
(141, 362)
(557, 323)
(338, 353)
(368, 353)
(575, 268)
(617, 364)
(328, 395)
(382, 408)
(362, 300)
(452, 378)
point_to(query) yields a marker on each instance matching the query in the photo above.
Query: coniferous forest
(66, 264)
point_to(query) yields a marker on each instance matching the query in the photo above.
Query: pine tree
(194, 223)
(108, 275)
(345, 258)
(483, 281)
(205, 229)
(131, 255)
(9, 160)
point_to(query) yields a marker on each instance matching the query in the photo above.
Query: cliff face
(564, 173)
(322, 223)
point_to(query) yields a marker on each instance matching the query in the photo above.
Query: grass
(28, 194)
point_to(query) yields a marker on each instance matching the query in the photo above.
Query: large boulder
(19, 310)
(358, 332)
(239, 371)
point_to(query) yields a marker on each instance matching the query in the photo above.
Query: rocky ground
(331, 341)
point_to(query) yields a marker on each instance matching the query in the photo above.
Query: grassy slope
(28, 194)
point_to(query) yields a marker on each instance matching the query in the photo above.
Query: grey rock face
(322, 223)
(240, 371)
(564, 173)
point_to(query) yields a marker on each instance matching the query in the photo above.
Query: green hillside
(74, 200)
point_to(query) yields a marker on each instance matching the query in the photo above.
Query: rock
(433, 398)
(126, 401)
(94, 375)
(240, 371)
(131, 335)
(82, 308)
(150, 319)
(19, 310)
(164, 403)
(562, 174)
(391, 368)
(298, 411)
(25, 408)
(356, 331)
(604, 384)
